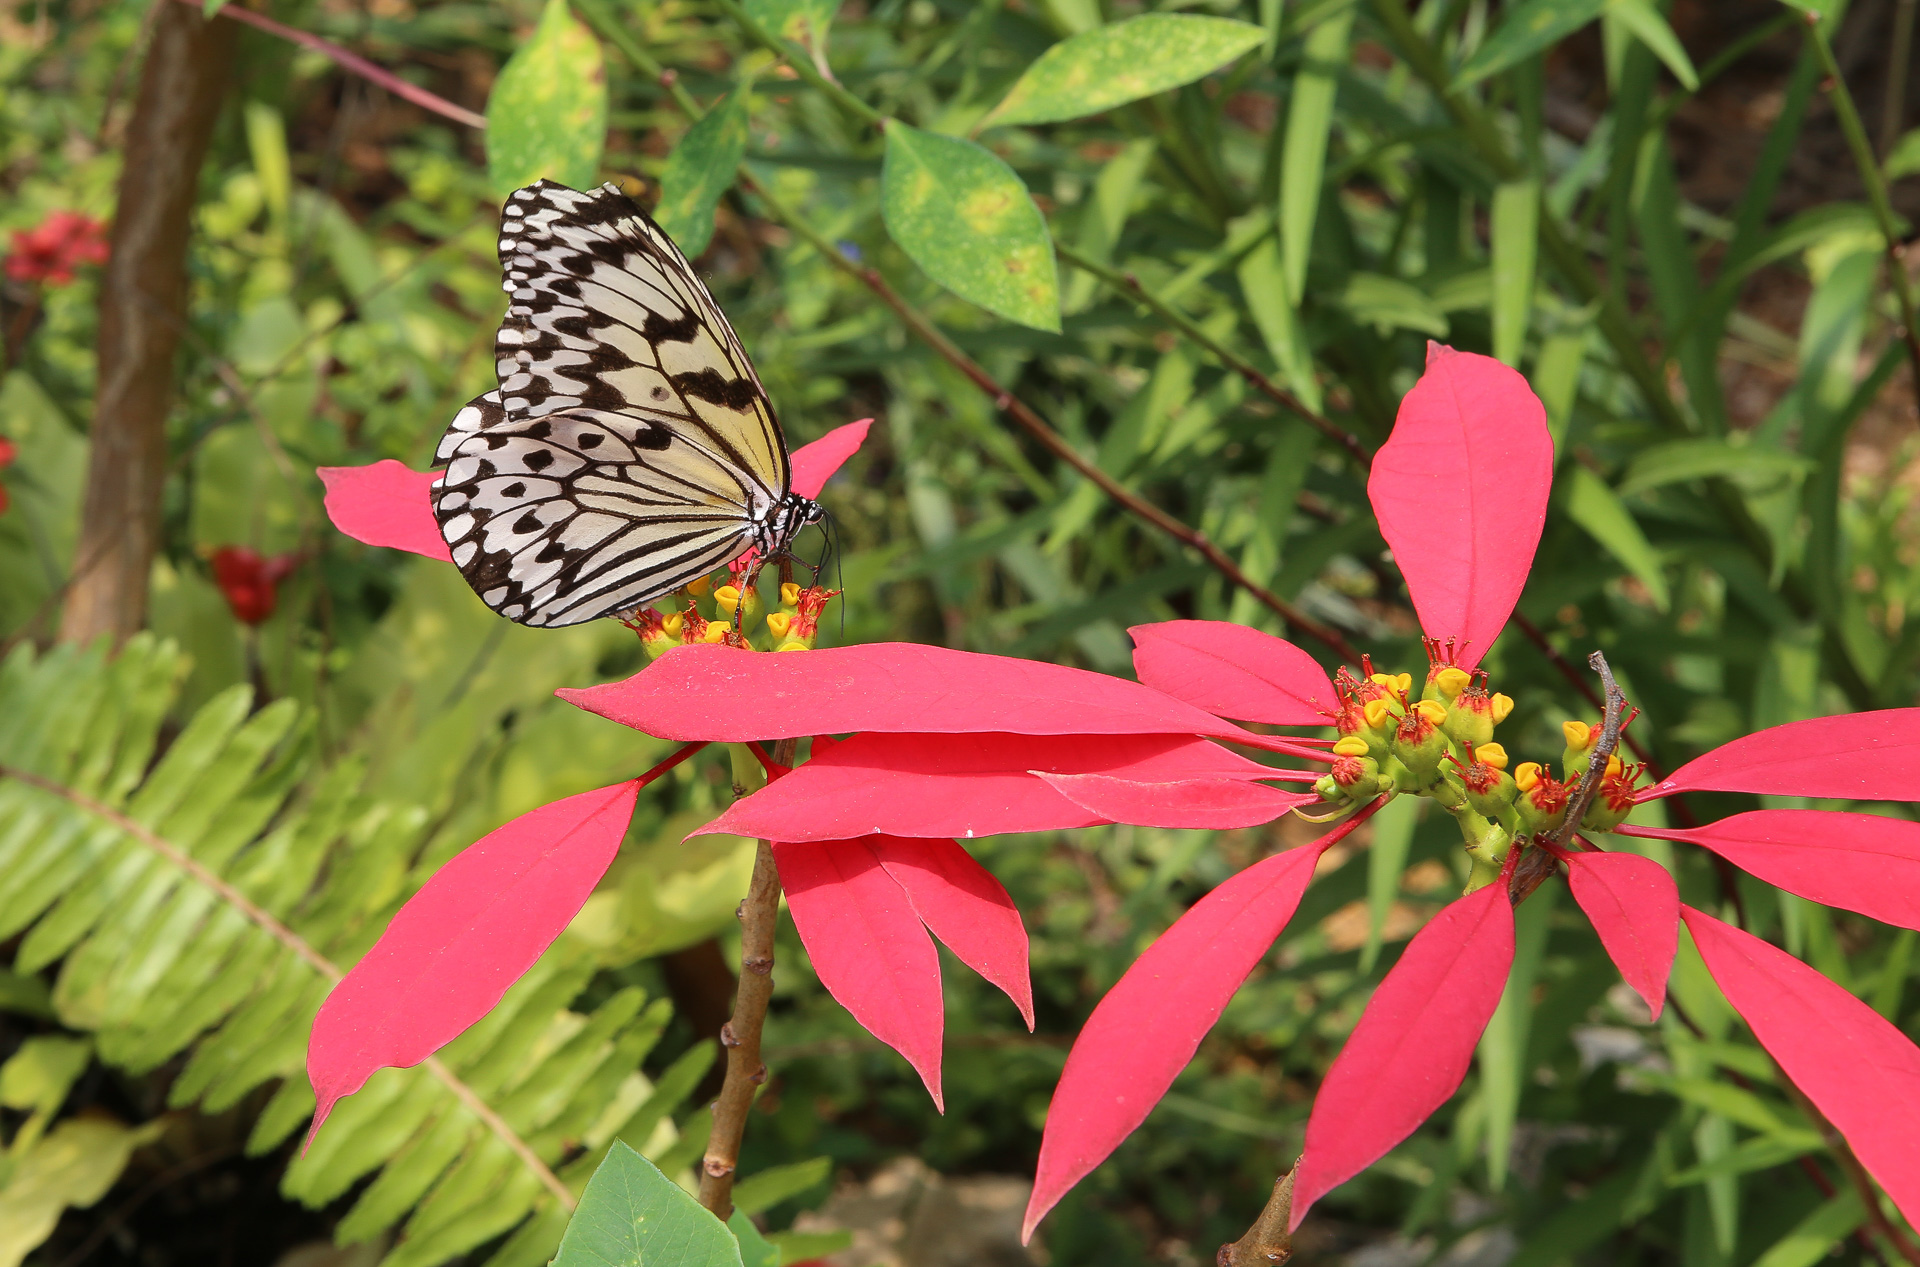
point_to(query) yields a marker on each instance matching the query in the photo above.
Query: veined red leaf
(1218, 803)
(964, 785)
(385, 504)
(1635, 908)
(966, 908)
(723, 693)
(1233, 671)
(1855, 756)
(469, 933)
(815, 463)
(1147, 1028)
(1413, 1043)
(868, 946)
(1860, 1071)
(1858, 862)
(1460, 490)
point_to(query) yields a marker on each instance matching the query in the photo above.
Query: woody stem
(758, 915)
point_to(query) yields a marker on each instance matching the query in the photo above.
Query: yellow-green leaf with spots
(547, 115)
(965, 218)
(700, 169)
(1111, 65)
(804, 22)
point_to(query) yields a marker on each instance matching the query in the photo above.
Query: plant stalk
(1267, 1243)
(759, 914)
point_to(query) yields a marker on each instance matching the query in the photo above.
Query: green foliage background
(1731, 523)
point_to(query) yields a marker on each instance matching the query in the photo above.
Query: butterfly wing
(630, 447)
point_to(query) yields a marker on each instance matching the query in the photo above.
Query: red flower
(250, 583)
(49, 253)
(8, 451)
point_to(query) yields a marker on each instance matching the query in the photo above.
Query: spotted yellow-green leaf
(804, 22)
(547, 115)
(701, 169)
(631, 1215)
(1111, 65)
(965, 218)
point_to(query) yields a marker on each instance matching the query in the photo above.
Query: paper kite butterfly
(630, 448)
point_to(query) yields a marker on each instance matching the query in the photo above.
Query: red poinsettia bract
(249, 581)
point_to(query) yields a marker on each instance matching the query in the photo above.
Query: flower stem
(758, 914)
(1267, 1243)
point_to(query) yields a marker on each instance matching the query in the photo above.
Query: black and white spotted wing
(630, 448)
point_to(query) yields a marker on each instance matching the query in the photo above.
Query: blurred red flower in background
(250, 582)
(49, 253)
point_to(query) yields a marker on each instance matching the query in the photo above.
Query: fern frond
(205, 902)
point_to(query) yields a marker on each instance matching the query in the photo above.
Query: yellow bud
(698, 585)
(716, 631)
(1579, 735)
(1378, 714)
(1405, 683)
(1502, 706)
(1527, 775)
(1351, 746)
(793, 646)
(1614, 766)
(1452, 680)
(790, 595)
(1492, 754)
(1432, 709)
(727, 597)
(1383, 679)
(778, 623)
(673, 624)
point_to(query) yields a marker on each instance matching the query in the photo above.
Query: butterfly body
(630, 447)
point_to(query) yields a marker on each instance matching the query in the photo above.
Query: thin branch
(355, 63)
(264, 920)
(1128, 284)
(804, 67)
(1267, 1241)
(1869, 167)
(759, 915)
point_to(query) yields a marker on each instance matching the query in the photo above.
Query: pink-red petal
(1635, 908)
(1854, 757)
(469, 933)
(1861, 1072)
(1221, 804)
(815, 463)
(723, 693)
(1858, 862)
(1233, 671)
(868, 947)
(964, 785)
(966, 908)
(1148, 1026)
(1413, 1044)
(1460, 490)
(385, 504)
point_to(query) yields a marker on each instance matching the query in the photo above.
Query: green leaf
(1814, 1235)
(74, 1165)
(1503, 1045)
(1386, 861)
(1390, 303)
(1556, 377)
(1112, 65)
(1263, 282)
(805, 22)
(965, 218)
(1303, 158)
(755, 1249)
(1516, 228)
(770, 1187)
(1527, 29)
(1595, 507)
(1651, 29)
(631, 1215)
(1904, 158)
(547, 114)
(37, 1076)
(1706, 459)
(700, 169)
(798, 1247)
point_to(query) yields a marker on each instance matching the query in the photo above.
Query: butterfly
(630, 448)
